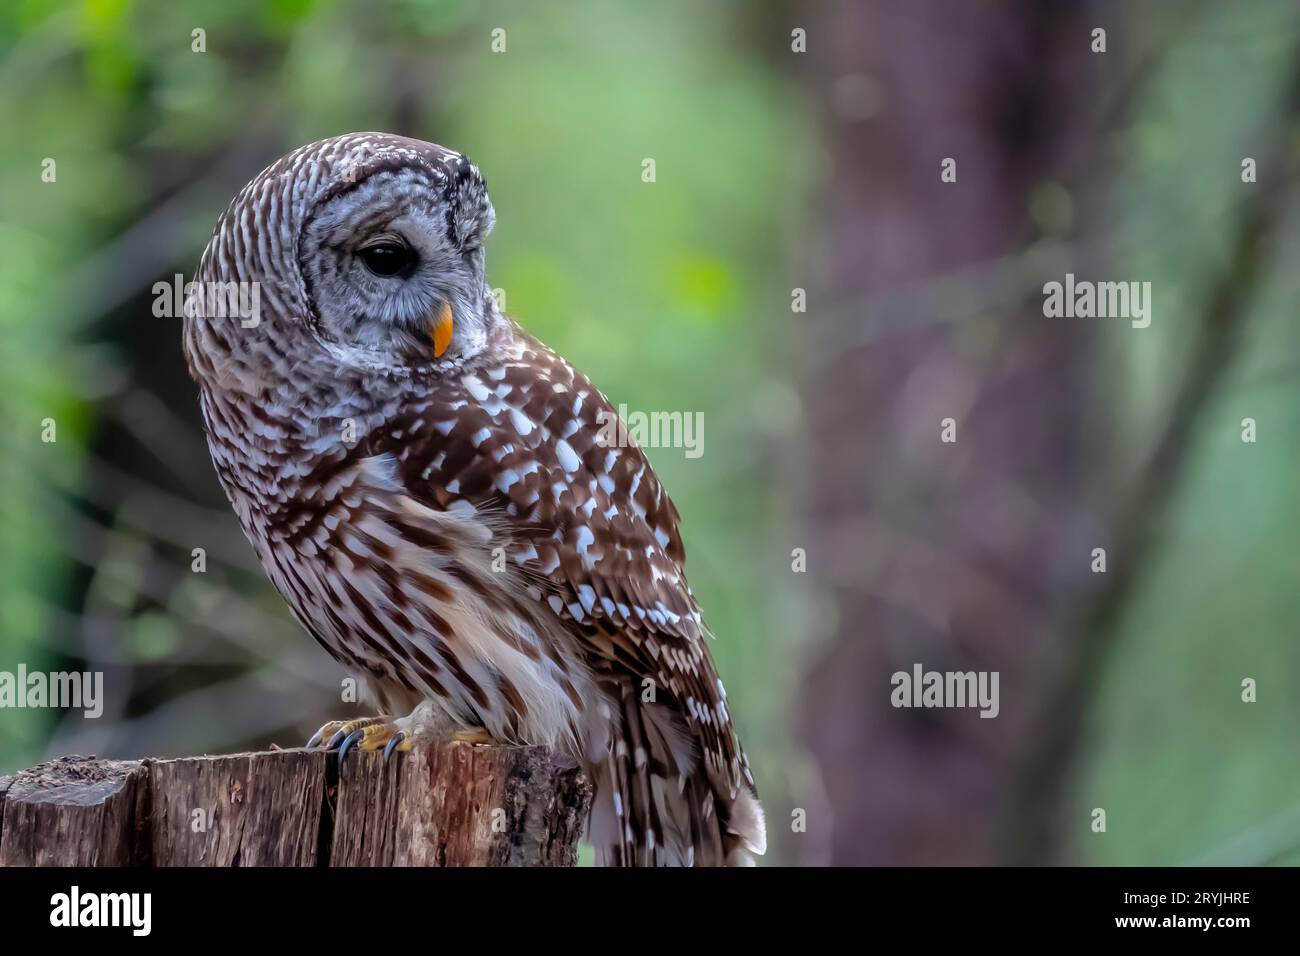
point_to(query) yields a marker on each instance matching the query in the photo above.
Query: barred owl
(427, 486)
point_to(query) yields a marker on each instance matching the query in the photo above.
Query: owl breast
(407, 576)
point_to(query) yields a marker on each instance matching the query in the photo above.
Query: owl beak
(440, 330)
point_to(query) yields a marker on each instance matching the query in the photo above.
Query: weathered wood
(72, 812)
(259, 809)
(460, 805)
(448, 804)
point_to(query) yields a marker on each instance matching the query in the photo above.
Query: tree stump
(447, 804)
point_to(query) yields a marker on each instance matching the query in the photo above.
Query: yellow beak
(440, 330)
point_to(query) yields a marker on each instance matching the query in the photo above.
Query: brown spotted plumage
(429, 488)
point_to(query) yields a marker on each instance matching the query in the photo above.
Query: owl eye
(388, 257)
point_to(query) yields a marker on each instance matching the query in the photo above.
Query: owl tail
(655, 804)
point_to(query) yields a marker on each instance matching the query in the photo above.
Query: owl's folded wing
(533, 448)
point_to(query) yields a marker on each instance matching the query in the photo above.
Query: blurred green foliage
(1182, 768)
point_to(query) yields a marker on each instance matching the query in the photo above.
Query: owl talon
(396, 743)
(374, 733)
(367, 733)
(336, 731)
(349, 740)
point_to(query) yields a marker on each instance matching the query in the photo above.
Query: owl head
(367, 248)
(391, 252)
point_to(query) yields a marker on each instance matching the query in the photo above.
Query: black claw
(337, 739)
(315, 739)
(349, 741)
(392, 744)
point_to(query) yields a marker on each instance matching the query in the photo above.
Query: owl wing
(531, 443)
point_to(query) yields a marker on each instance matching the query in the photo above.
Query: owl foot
(473, 735)
(330, 731)
(365, 733)
(404, 738)
(373, 733)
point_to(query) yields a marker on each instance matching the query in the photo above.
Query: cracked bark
(450, 804)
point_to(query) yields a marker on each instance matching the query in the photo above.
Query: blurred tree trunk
(958, 556)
